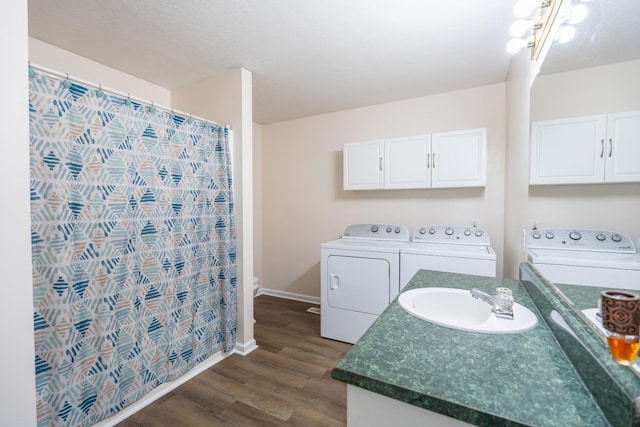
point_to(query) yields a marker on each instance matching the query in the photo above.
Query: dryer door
(358, 284)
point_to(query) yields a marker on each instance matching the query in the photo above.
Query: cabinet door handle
(610, 147)
(380, 162)
(433, 163)
(601, 148)
(428, 161)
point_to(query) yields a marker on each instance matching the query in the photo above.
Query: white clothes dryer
(360, 276)
(452, 249)
(585, 257)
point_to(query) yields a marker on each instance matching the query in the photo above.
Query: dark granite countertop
(522, 379)
(615, 387)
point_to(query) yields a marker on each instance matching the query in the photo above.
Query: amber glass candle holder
(620, 314)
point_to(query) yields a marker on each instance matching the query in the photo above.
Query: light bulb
(577, 13)
(515, 44)
(519, 27)
(524, 8)
(566, 33)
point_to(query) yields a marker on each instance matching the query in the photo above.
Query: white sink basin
(457, 309)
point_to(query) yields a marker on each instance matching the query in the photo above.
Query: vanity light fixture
(538, 19)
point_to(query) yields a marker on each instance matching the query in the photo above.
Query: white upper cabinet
(406, 162)
(586, 150)
(623, 147)
(363, 168)
(568, 151)
(449, 159)
(459, 158)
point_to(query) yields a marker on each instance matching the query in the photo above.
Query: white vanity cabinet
(586, 150)
(448, 159)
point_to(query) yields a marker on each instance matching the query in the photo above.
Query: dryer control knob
(374, 228)
(549, 235)
(602, 237)
(478, 233)
(397, 230)
(536, 235)
(389, 229)
(422, 230)
(467, 232)
(616, 238)
(575, 235)
(432, 230)
(448, 231)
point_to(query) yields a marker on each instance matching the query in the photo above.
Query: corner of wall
(516, 192)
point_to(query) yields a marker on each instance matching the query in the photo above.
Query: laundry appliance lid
(451, 250)
(614, 260)
(370, 245)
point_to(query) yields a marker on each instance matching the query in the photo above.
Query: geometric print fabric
(134, 248)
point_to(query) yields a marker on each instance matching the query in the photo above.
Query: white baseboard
(289, 295)
(245, 348)
(161, 390)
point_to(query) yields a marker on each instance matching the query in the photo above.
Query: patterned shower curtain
(134, 248)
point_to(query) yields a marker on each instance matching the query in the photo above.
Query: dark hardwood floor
(286, 381)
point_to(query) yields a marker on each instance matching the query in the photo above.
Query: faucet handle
(504, 291)
(503, 301)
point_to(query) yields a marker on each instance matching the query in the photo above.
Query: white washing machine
(360, 276)
(448, 248)
(585, 257)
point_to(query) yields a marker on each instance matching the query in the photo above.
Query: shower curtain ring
(99, 92)
(190, 120)
(152, 109)
(67, 83)
(172, 115)
(128, 101)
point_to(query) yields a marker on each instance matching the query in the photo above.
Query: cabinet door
(622, 147)
(568, 151)
(363, 165)
(407, 162)
(458, 159)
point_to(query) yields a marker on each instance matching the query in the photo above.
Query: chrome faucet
(501, 303)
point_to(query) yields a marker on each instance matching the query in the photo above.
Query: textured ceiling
(307, 57)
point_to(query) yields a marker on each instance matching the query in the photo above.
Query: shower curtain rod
(98, 86)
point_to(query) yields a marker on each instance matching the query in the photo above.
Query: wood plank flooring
(286, 381)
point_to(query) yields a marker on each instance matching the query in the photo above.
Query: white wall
(521, 74)
(17, 372)
(303, 203)
(63, 61)
(598, 90)
(257, 200)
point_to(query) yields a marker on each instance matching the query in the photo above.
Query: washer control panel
(457, 234)
(580, 240)
(377, 232)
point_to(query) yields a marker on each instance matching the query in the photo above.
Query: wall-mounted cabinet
(440, 160)
(586, 150)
